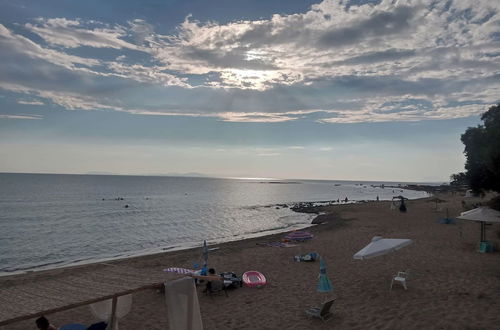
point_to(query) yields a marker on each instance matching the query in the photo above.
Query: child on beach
(43, 324)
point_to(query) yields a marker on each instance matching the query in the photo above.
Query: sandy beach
(452, 286)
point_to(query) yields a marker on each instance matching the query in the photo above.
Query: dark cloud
(379, 24)
(274, 33)
(236, 58)
(374, 57)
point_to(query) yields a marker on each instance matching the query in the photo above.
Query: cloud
(20, 116)
(255, 117)
(65, 99)
(339, 62)
(30, 102)
(271, 154)
(14, 45)
(72, 34)
(378, 24)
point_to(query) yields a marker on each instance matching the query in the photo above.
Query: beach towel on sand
(277, 244)
(312, 256)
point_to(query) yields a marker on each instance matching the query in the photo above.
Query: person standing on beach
(43, 324)
(402, 206)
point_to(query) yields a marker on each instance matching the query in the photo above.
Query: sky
(332, 89)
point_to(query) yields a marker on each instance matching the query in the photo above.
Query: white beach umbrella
(482, 214)
(380, 246)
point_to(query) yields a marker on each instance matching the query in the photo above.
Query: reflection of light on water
(256, 179)
(160, 215)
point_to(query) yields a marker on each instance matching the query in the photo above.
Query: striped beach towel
(298, 236)
(179, 270)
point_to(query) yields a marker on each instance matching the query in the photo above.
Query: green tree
(482, 150)
(459, 180)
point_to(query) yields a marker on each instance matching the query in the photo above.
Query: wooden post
(112, 318)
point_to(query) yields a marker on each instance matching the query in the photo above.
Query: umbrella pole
(483, 231)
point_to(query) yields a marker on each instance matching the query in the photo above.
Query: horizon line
(209, 176)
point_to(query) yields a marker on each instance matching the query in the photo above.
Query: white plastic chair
(401, 278)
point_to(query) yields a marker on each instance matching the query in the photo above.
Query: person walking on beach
(43, 324)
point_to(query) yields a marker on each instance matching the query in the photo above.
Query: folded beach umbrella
(380, 246)
(324, 284)
(204, 270)
(299, 236)
(436, 200)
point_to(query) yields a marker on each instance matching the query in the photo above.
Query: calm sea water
(52, 220)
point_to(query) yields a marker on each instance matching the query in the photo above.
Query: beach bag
(307, 257)
(235, 280)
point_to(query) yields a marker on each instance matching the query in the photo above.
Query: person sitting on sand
(43, 324)
(211, 272)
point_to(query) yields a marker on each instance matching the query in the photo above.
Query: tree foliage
(459, 180)
(482, 150)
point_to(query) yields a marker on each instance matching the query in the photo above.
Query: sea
(54, 220)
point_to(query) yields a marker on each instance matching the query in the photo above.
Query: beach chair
(322, 312)
(401, 278)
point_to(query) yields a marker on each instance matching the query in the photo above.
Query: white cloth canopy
(483, 213)
(182, 305)
(380, 246)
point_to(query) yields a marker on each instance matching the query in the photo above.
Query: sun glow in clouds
(253, 79)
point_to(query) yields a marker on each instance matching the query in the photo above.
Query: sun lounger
(323, 312)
